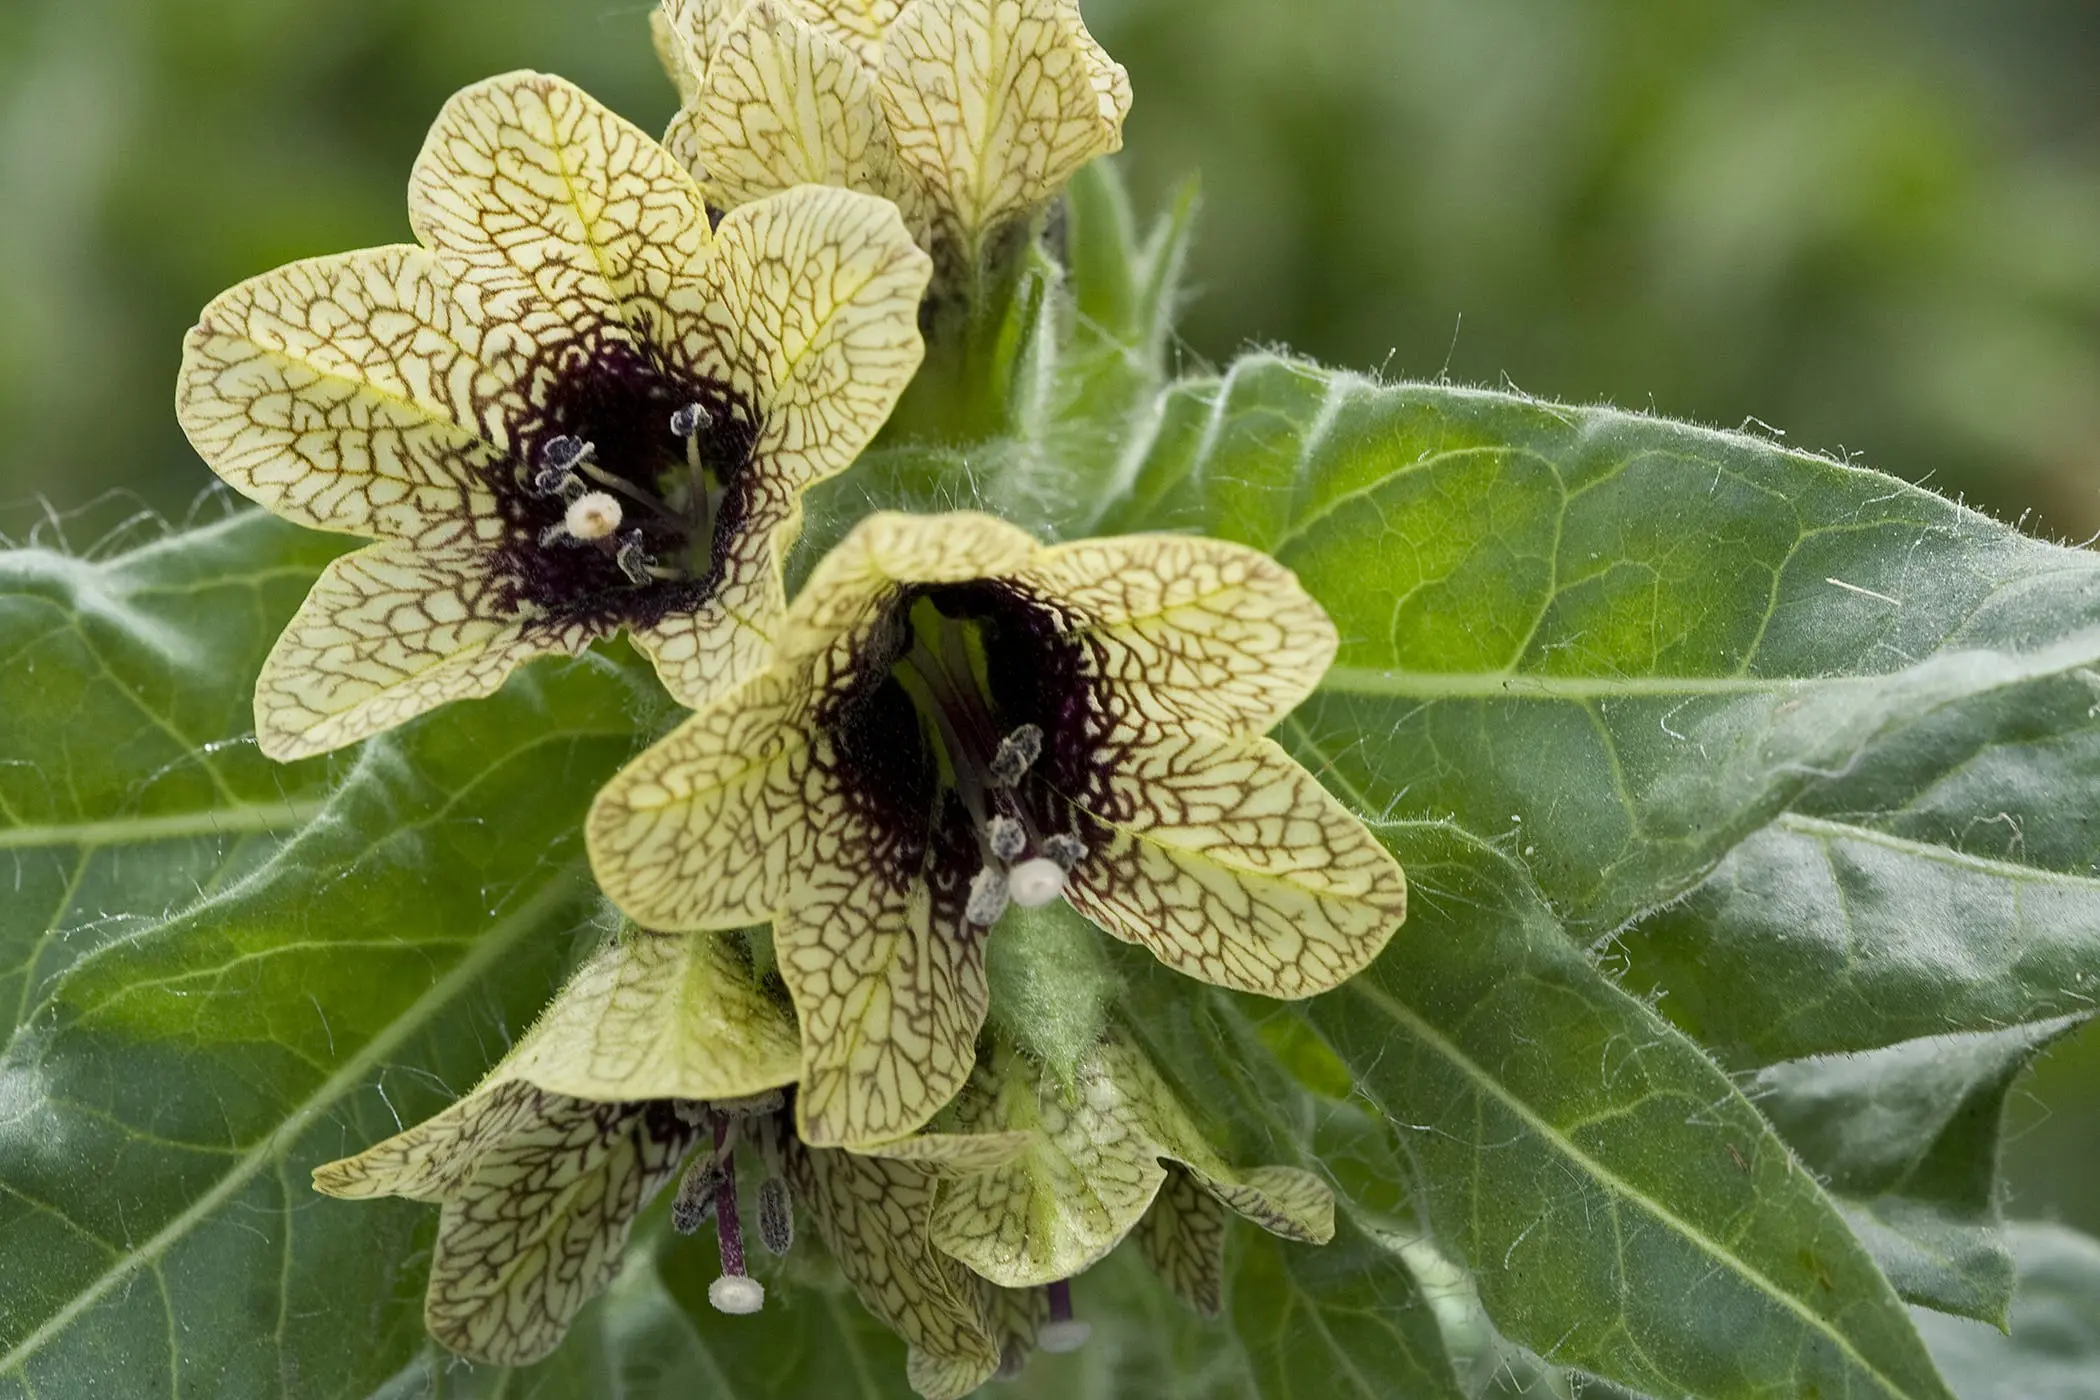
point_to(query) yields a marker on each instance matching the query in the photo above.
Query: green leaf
(1616, 645)
(1624, 1209)
(233, 972)
(1821, 935)
(2053, 1349)
(1345, 1320)
(1907, 1138)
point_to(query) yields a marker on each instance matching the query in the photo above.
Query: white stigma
(593, 516)
(737, 1294)
(1034, 883)
(1064, 1334)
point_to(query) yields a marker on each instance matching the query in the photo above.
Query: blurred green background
(1871, 225)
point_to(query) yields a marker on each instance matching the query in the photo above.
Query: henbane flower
(967, 113)
(542, 1169)
(957, 718)
(661, 1060)
(571, 408)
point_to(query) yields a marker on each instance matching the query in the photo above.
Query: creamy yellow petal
(1282, 1200)
(1232, 864)
(872, 1214)
(660, 1016)
(682, 62)
(555, 214)
(703, 829)
(813, 319)
(890, 1001)
(388, 633)
(860, 24)
(996, 104)
(1091, 1170)
(432, 1160)
(701, 654)
(1183, 1238)
(690, 30)
(353, 393)
(539, 1227)
(1193, 631)
(783, 104)
(887, 549)
(1099, 1154)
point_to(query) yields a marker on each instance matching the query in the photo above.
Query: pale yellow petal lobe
(890, 1001)
(783, 104)
(538, 1228)
(1232, 864)
(352, 393)
(814, 321)
(872, 1214)
(432, 1160)
(555, 214)
(660, 1016)
(702, 830)
(887, 549)
(1193, 631)
(1183, 1238)
(386, 634)
(995, 103)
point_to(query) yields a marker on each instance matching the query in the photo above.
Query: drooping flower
(653, 1045)
(957, 718)
(662, 1059)
(1044, 1177)
(571, 408)
(970, 114)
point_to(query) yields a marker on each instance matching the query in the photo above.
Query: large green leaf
(1618, 646)
(231, 972)
(1625, 1210)
(1908, 1139)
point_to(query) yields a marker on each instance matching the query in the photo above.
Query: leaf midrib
(490, 948)
(243, 819)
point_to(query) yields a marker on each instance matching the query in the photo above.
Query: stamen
(633, 560)
(1064, 848)
(1008, 838)
(1016, 753)
(988, 897)
(1063, 1332)
(688, 421)
(695, 1200)
(1035, 882)
(564, 453)
(593, 516)
(776, 1216)
(548, 480)
(735, 1291)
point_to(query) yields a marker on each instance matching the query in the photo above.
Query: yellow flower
(1045, 1178)
(571, 408)
(661, 1053)
(542, 1169)
(957, 718)
(967, 113)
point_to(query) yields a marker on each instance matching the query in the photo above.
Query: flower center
(626, 475)
(973, 710)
